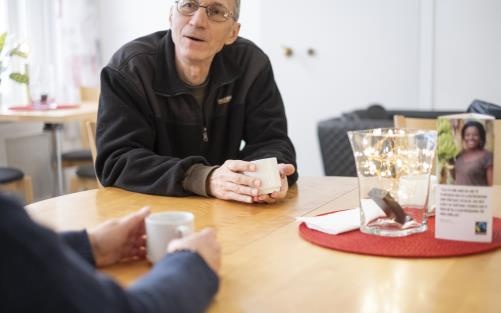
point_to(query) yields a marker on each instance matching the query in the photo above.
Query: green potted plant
(12, 52)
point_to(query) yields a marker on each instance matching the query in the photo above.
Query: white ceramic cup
(267, 172)
(162, 228)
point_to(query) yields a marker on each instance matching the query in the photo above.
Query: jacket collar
(166, 80)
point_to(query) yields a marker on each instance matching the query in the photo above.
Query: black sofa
(335, 146)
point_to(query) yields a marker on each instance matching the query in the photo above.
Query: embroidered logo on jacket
(224, 100)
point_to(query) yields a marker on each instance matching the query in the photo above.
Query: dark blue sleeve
(198, 286)
(41, 273)
(79, 242)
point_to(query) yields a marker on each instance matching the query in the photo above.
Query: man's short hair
(236, 14)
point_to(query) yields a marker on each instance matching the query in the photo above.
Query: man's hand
(204, 243)
(119, 239)
(229, 183)
(285, 170)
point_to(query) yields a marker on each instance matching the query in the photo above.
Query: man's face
(197, 38)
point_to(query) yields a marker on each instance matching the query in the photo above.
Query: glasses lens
(187, 7)
(217, 12)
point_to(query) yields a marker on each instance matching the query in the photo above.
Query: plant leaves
(19, 53)
(3, 37)
(19, 78)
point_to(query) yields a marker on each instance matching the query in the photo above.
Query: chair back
(13, 179)
(335, 148)
(401, 121)
(91, 133)
(87, 94)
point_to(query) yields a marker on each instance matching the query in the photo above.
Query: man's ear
(233, 35)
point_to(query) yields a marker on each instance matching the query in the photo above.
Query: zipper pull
(205, 136)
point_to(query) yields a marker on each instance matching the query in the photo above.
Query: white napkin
(334, 223)
(341, 221)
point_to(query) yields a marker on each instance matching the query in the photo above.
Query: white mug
(162, 228)
(267, 172)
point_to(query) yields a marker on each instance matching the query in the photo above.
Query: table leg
(55, 130)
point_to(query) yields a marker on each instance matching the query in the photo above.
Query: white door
(366, 51)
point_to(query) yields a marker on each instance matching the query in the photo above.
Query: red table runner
(31, 108)
(422, 245)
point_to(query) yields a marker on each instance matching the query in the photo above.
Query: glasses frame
(227, 15)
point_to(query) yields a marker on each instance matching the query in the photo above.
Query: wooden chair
(430, 124)
(401, 121)
(85, 179)
(86, 175)
(13, 179)
(82, 156)
(91, 136)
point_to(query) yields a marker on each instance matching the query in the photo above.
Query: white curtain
(78, 46)
(62, 35)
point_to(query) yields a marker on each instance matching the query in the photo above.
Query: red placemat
(31, 108)
(422, 245)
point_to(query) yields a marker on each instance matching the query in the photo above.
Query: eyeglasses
(216, 12)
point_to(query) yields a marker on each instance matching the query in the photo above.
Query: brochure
(465, 170)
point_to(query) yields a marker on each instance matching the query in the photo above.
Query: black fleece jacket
(151, 130)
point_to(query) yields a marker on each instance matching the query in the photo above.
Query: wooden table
(53, 120)
(267, 267)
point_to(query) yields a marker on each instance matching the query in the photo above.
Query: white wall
(250, 20)
(467, 52)
(124, 20)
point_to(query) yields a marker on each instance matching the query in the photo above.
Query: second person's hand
(119, 239)
(204, 243)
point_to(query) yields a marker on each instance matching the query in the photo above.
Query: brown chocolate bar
(390, 207)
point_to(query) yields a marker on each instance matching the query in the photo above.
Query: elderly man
(184, 111)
